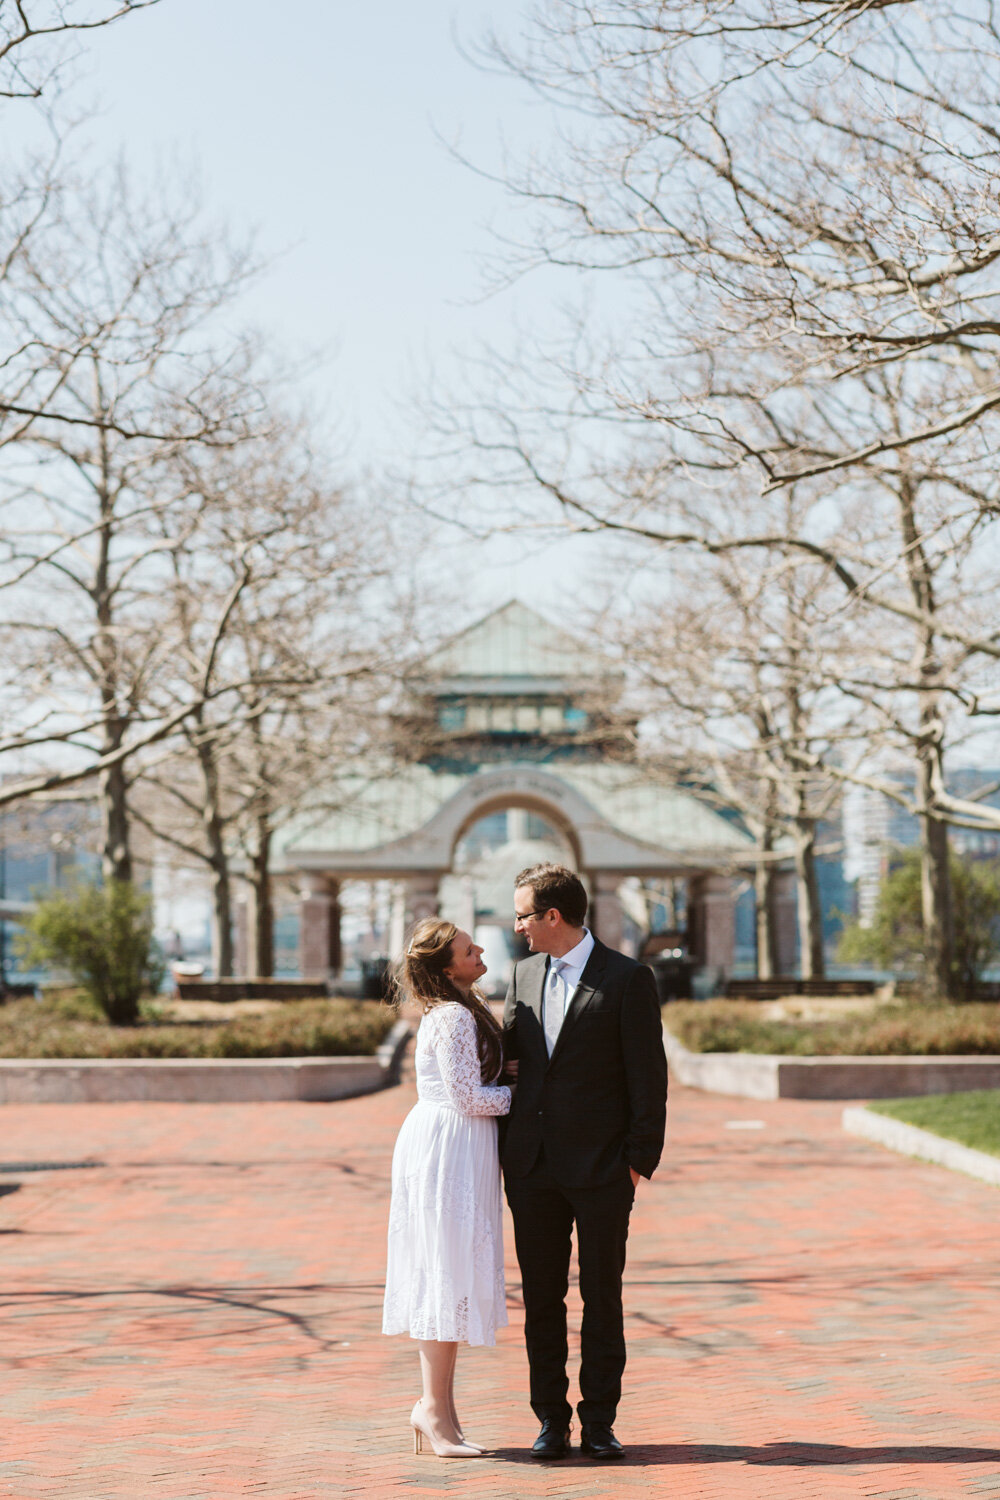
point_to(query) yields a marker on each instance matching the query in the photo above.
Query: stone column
(465, 908)
(786, 922)
(396, 930)
(517, 824)
(319, 928)
(606, 913)
(712, 921)
(421, 899)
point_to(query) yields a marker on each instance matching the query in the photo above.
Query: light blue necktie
(555, 1003)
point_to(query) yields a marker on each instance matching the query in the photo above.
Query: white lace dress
(444, 1277)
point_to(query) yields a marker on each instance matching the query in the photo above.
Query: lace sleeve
(453, 1037)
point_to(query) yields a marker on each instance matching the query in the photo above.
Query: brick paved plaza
(197, 1317)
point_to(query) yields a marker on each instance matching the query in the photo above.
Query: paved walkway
(196, 1318)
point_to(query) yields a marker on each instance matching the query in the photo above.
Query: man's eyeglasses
(522, 916)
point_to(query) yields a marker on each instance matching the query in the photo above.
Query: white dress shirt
(561, 980)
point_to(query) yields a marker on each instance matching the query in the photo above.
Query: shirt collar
(577, 957)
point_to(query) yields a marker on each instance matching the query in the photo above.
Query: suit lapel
(590, 981)
(530, 990)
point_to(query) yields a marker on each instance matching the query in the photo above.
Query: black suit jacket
(599, 1105)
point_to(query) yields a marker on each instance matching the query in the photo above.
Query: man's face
(537, 926)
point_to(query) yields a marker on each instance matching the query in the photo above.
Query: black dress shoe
(552, 1441)
(597, 1439)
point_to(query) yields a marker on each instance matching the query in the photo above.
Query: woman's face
(466, 962)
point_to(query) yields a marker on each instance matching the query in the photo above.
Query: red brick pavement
(197, 1317)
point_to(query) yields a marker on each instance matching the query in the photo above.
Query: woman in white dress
(444, 1282)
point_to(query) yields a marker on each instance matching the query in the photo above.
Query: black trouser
(544, 1213)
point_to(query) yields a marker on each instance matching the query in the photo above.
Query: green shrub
(103, 936)
(303, 1028)
(71, 1003)
(904, 1030)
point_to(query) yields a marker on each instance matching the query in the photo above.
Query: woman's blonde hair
(420, 976)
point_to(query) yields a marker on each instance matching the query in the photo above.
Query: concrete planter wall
(200, 1080)
(767, 1076)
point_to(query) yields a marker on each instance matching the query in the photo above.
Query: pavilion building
(511, 717)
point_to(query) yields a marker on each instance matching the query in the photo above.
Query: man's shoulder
(617, 966)
(529, 964)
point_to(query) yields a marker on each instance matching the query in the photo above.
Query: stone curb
(910, 1140)
(201, 1080)
(771, 1076)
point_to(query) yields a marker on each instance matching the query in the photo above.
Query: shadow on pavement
(786, 1455)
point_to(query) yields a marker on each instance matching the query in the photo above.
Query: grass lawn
(904, 1028)
(70, 1025)
(973, 1119)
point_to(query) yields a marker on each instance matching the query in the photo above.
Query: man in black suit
(582, 1023)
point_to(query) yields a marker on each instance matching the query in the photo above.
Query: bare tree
(735, 667)
(33, 34)
(293, 559)
(38, 38)
(118, 295)
(810, 188)
(802, 202)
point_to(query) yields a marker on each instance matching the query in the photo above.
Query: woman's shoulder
(446, 1015)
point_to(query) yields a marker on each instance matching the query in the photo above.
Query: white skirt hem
(444, 1275)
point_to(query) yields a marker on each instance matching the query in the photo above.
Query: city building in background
(876, 827)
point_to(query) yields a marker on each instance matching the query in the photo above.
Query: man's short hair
(554, 885)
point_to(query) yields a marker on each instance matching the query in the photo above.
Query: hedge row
(307, 1028)
(901, 1030)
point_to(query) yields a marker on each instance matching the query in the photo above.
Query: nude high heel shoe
(461, 1435)
(467, 1441)
(441, 1448)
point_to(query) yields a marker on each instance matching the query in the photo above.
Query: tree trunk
(936, 893)
(766, 925)
(116, 853)
(935, 874)
(812, 961)
(262, 933)
(222, 920)
(218, 859)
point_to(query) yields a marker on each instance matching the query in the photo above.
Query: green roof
(514, 648)
(668, 817)
(362, 812)
(378, 809)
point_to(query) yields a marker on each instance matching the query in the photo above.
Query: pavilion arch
(540, 806)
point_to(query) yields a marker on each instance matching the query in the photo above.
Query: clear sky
(317, 124)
